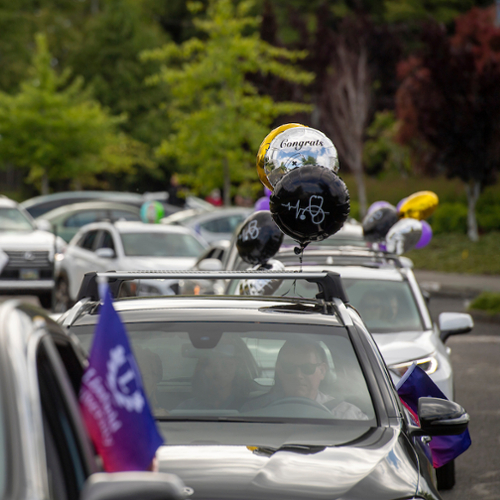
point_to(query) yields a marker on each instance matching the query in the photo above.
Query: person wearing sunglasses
(301, 366)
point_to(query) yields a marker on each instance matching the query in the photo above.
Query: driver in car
(301, 366)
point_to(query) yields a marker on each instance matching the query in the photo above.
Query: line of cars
(412, 337)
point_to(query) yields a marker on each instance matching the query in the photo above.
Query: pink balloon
(262, 203)
(426, 235)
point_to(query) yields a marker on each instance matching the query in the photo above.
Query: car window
(262, 371)
(12, 219)
(385, 306)
(124, 215)
(3, 450)
(223, 224)
(160, 244)
(79, 219)
(87, 240)
(107, 240)
(67, 472)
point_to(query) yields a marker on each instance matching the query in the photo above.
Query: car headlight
(428, 364)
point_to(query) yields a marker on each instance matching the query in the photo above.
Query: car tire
(62, 300)
(46, 300)
(446, 476)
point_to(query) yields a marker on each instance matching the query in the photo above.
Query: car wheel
(62, 300)
(46, 300)
(446, 476)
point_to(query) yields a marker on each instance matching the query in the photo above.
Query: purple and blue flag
(112, 398)
(415, 384)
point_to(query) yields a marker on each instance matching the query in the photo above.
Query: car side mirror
(454, 324)
(105, 253)
(143, 485)
(44, 225)
(440, 417)
(210, 265)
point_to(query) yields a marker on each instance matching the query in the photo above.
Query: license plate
(29, 274)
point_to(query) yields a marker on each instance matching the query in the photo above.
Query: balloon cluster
(299, 164)
(401, 228)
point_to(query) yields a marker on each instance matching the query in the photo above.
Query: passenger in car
(301, 367)
(218, 381)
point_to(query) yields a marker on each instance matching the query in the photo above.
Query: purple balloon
(267, 192)
(262, 203)
(377, 205)
(398, 206)
(426, 235)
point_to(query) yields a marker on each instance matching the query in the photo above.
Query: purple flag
(415, 384)
(112, 399)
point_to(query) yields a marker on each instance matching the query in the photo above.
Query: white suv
(26, 254)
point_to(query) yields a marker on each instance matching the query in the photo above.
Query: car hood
(405, 346)
(374, 466)
(28, 240)
(157, 263)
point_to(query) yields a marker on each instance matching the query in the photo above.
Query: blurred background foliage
(206, 108)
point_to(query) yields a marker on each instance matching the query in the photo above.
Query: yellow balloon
(265, 146)
(420, 205)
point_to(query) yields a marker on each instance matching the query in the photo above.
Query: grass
(486, 301)
(454, 252)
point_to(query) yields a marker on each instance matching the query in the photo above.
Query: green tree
(218, 117)
(57, 132)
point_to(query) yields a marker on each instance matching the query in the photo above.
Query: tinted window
(85, 217)
(263, 371)
(88, 240)
(107, 240)
(385, 306)
(159, 244)
(3, 451)
(124, 215)
(222, 225)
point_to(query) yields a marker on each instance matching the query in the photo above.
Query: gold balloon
(265, 146)
(420, 205)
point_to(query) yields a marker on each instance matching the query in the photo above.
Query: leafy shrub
(488, 217)
(487, 301)
(449, 218)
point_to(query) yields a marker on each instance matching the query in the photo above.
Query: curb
(484, 317)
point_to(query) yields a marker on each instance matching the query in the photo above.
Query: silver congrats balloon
(297, 147)
(403, 236)
(262, 286)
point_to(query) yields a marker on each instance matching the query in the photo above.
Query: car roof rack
(329, 283)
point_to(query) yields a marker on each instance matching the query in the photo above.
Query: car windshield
(11, 219)
(248, 371)
(385, 306)
(160, 244)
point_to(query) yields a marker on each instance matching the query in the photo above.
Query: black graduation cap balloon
(310, 203)
(259, 238)
(377, 223)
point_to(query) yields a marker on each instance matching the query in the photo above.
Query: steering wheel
(299, 401)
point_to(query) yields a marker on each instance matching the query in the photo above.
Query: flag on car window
(417, 384)
(112, 398)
